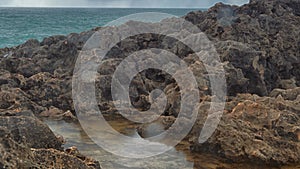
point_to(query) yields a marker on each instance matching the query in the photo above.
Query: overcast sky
(118, 3)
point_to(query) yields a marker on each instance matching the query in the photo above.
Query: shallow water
(177, 158)
(75, 136)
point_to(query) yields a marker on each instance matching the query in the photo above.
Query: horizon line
(103, 7)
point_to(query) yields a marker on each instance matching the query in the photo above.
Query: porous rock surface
(258, 44)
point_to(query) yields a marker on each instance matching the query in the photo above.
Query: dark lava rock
(19, 155)
(258, 44)
(260, 38)
(12, 154)
(30, 130)
(26, 142)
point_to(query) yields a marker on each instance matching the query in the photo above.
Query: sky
(118, 3)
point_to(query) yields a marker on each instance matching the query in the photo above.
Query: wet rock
(57, 114)
(52, 112)
(157, 127)
(69, 116)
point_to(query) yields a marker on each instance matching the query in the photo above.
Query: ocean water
(17, 25)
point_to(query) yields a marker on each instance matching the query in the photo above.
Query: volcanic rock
(257, 43)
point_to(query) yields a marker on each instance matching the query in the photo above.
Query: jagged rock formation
(257, 129)
(260, 39)
(259, 46)
(26, 142)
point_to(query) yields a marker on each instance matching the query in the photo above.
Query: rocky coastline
(258, 44)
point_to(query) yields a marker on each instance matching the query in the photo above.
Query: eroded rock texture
(26, 142)
(258, 44)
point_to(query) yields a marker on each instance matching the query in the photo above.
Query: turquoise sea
(17, 25)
